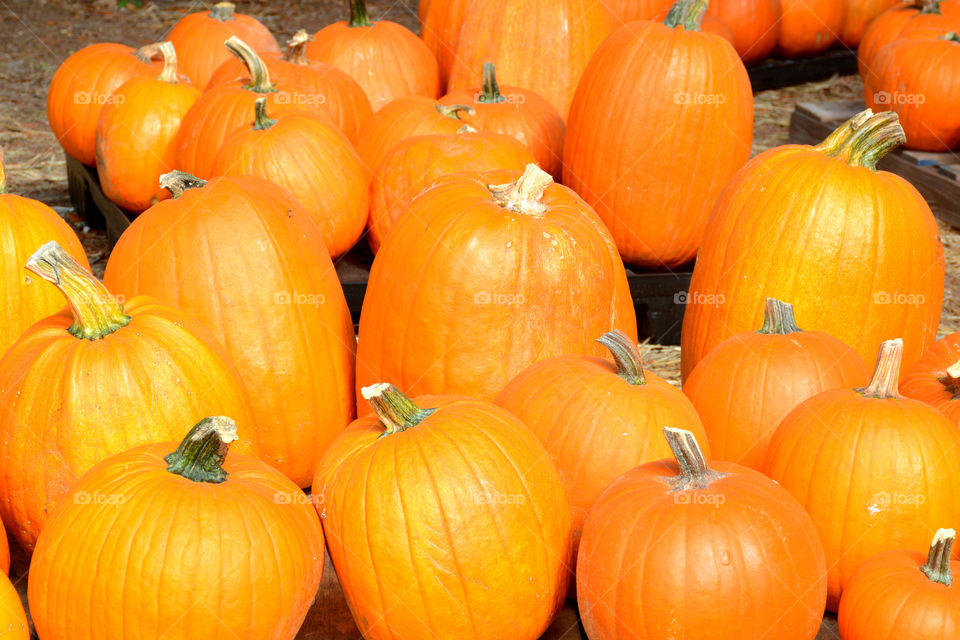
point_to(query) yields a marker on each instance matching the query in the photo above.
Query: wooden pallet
(935, 175)
(776, 73)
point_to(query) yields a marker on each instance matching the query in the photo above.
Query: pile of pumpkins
(490, 444)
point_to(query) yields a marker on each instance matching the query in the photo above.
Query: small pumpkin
(440, 24)
(13, 619)
(683, 549)
(755, 25)
(809, 27)
(177, 541)
(935, 377)
(901, 20)
(859, 14)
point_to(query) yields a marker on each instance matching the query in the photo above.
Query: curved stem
(687, 13)
(864, 139)
(626, 355)
(490, 87)
(358, 14)
(778, 318)
(525, 195)
(937, 567)
(951, 380)
(176, 182)
(694, 471)
(222, 11)
(169, 55)
(259, 74)
(396, 411)
(201, 454)
(297, 48)
(261, 121)
(886, 375)
(453, 111)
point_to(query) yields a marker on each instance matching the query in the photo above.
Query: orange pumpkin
(747, 384)
(242, 256)
(686, 550)
(440, 24)
(786, 219)
(384, 57)
(523, 114)
(199, 38)
(859, 14)
(876, 471)
(652, 79)
(598, 419)
(526, 270)
(312, 160)
(13, 619)
(890, 25)
(188, 542)
(755, 25)
(630, 10)
(935, 377)
(809, 27)
(470, 496)
(136, 134)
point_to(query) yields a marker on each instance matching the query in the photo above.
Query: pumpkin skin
(516, 34)
(13, 619)
(239, 558)
(470, 496)
(784, 221)
(597, 419)
(890, 25)
(876, 471)
(934, 378)
(539, 279)
(656, 205)
(809, 27)
(198, 38)
(289, 321)
(440, 24)
(755, 25)
(722, 553)
(136, 134)
(747, 384)
(859, 14)
(312, 160)
(631, 10)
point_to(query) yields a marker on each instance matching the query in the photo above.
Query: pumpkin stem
(694, 471)
(525, 195)
(176, 182)
(222, 11)
(778, 318)
(297, 47)
(201, 454)
(886, 375)
(96, 313)
(466, 129)
(626, 355)
(259, 74)
(490, 86)
(396, 411)
(358, 14)
(688, 13)
(864, 139)
(951, 380)
(937, 567)
(169, 55)
(952, 37)
(928, 6)
(453, 111)
(261, 121)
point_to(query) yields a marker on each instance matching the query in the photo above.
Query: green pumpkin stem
(951, 380)
(259, 74)
(261, 120)
(201, 454)
(526, 194)
(886, 375)
(778, 318)
(864, 139)
(490, 93)
(453, 111)
(694, 471)
(396, 411)
(96, 313)
(222, 11)
(937, 567)
(688, 13)
(626, 355)
(928, 6)
(951, 37)
(358, 14)
(297, 48)
(176, 182)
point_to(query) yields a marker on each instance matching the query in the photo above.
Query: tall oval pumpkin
(440, 24)
(755, 25)
(809, 27)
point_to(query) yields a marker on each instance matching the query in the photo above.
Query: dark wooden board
(776, 73)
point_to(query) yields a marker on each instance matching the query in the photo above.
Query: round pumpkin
(13, 619)
(199, 39)
(312, 160)
(809, 27)
(755, 25)
(859, 14)
(499, 268)
(935, 377)
(630, 10)
(680, 549)
(468, 494)
(136, 134)
(876, 471)
(785, 220)
(188, 541)
(890, 25)
(440, 24)
(747, 384)
(242, 256)
(652, 87)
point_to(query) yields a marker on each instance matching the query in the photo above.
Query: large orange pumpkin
(935, 377)
(630, 10)
(859, 14)
(748, 383)
(440, 24)
(809, 27)
(460, 527)
(686, 550)
(755, 25)
(13, 619)
(242, 256)
(518, 269)
(890, 25)
(875, 470)
(311, 159)
(795, 213)
(136, 134)
(96, 380)
(164, 541)
(652, 87)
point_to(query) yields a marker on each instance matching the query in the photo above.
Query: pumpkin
(859, 14)
(316, 86)
(526, 270)
(523, 114)
(312, 160)
(416, 163)
(178, 541)
(786, 219)
(13, 619)
(630, 10)
(809, 27)
(440, 24)
(755, 25)
(242, 256)
(658, 81)
(469, 495)
(384, 57)
(711, 24)
(80, 88)
(95, 380)
(540, 45)
(198, 38)
(935, 377)
(747, 384)
(876, 471)
(904, 594)
(683, 549)
(136, 134)
(901, 20)
(598, 419)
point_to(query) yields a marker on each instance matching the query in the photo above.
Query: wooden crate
(776, 73)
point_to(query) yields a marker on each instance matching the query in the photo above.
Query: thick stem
(96, 313)
(358, 14)
(694, 471)
(951, 380)
(778, 318)
(396, 411)
(176, 182)
(525, 195)
(259, 74)
(626, 355)
(864, 139)
(297, 48)
(928, 6)
(886, 376)
(490, 87)
(453, 111)
(261, 120)
(937, 567)
(169, 55)
(222, 11)
(687, 13)
(201, 454)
